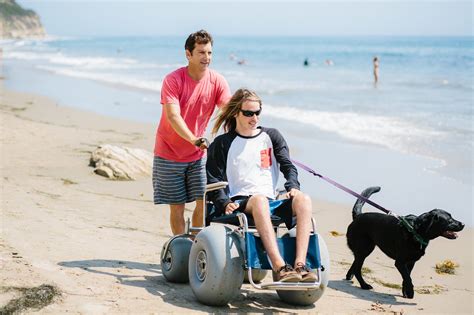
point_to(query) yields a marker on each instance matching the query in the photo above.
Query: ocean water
(422, 106)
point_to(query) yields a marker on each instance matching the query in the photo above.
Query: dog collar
(410, 229)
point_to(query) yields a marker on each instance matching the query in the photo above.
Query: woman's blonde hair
(228, 112)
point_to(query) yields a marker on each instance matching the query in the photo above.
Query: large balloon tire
(174, 264)
(216, 265)
(308, 297)
(257, 275)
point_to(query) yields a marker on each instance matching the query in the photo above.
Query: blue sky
(278, 18)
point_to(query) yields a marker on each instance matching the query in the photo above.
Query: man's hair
(227, 114)
(199, 37)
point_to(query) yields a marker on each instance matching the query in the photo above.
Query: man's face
(201, 56)
(245, 124)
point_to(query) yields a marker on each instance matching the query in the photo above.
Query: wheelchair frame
(243, 231)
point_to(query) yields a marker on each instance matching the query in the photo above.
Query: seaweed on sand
(35, 298)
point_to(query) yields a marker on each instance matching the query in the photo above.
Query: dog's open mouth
(450, 234)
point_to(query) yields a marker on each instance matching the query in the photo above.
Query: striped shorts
(178, 182)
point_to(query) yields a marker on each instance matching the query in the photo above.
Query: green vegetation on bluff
(9, 9)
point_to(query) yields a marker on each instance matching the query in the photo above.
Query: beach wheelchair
(217, 258)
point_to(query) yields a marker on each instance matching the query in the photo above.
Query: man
(189, 96)
(248, 157)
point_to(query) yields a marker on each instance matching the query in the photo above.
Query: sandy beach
(99, 241)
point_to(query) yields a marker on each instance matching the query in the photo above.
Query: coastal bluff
(17, 22)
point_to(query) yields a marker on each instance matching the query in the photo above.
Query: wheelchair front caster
(309, 297)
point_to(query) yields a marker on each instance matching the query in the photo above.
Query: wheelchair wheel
(215, 265)
(257, 275)
(174, 263)
(308, 297)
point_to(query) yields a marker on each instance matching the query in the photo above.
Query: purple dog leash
(347, 190)
(402, 219)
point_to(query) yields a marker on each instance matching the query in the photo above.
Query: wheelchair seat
(234, 220)
(210, 214)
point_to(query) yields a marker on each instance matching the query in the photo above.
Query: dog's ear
(424, 222)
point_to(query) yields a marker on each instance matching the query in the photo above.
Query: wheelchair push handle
(216, 186)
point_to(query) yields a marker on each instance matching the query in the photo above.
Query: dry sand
(99, 241)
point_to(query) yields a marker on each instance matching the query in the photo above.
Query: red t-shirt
(197, 101)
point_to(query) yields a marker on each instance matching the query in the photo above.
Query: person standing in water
(376, 70)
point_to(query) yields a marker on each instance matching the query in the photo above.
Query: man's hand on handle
(202, 143)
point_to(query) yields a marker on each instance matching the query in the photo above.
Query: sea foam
(122, 80)
(386, 131)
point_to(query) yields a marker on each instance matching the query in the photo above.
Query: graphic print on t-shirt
(266, 158)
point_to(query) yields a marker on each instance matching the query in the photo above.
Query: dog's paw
(407, 296)
(366, 286)
(349, 276)
(408, 293)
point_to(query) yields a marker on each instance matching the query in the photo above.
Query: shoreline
(409, 186)
(99, 241)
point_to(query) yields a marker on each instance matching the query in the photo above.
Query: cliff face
(16, 22)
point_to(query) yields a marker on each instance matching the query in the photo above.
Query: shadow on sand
(181, 295)
(368, 295)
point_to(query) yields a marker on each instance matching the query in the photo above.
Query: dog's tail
(357, 209)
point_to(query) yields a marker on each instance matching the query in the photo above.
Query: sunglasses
(249, 113)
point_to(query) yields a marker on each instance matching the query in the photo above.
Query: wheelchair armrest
(228, 218)
(234, 220)
(215, 186)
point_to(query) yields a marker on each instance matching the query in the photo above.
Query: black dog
(395, 239)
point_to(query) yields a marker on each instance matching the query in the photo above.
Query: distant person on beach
(329, 62)
(249, 158)
(189, 96)
(376, 70)
(306, 62)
